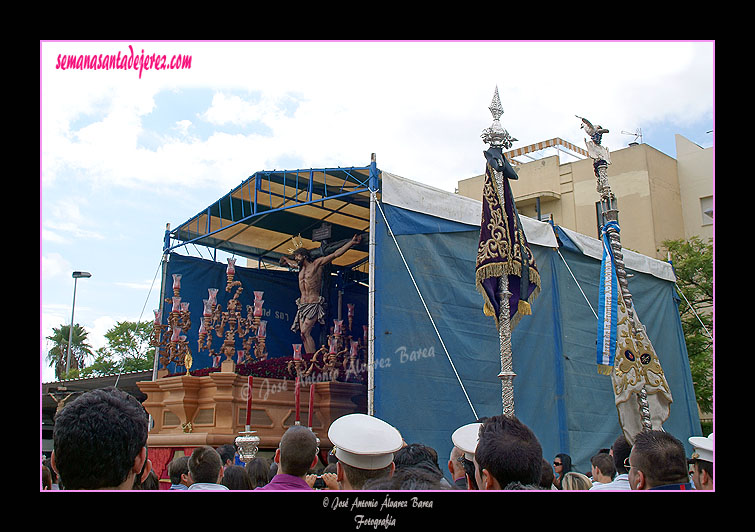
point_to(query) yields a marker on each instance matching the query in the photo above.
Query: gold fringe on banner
(604, 369)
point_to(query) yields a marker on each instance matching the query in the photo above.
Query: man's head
(178, 471)
(603, 469)
(657, 459)
(414, 454)
(620, 451)
(365, 447)
(227, 454)
(702, 462)
(297, 451)
(302, 254)
(100, 441)
(205, 466)
(507, 451)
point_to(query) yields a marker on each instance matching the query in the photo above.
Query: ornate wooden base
(189, 411)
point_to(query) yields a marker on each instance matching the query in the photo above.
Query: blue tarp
(558, 392)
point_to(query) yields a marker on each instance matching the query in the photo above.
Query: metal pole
(371, 295)
(70, 329)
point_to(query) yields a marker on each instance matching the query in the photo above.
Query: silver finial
(495, 135)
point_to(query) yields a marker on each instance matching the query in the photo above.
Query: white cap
(465, 438)
(364, 442)
(703, 447)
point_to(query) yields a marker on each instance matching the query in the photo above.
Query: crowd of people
(100, 442)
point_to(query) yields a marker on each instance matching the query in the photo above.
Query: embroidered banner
(503, 249)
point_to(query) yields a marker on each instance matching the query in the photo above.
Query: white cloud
(54, 265)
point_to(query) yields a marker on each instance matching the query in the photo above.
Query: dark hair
(605, 464)
(566, 464)
(509, 450)
(661, 457)
(303, 251)
(298, 449)
(357, 477)
(236, 478)
(258, 471)
(177, 467)
(704, 465)
(205, 465)
(546, 476)
(97, 437)
(227, 452)
(415, 454)
(151, 482)
(621, 451)
(420, 477)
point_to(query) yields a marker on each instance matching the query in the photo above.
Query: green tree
(693, 266)
(127, 349)
(58, 354)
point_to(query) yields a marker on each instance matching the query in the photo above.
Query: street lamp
(76, 276)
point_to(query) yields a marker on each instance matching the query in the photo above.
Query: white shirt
(619, 483)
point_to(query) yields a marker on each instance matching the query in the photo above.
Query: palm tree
(80, 349)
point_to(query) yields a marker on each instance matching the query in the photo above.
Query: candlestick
(249, 402)
(297, 351)
(311, 404)
(297, 392)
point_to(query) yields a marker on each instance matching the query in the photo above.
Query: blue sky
(121, 156)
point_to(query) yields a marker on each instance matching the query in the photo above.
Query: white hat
(465, 438)
(364, 441)
(703, 447)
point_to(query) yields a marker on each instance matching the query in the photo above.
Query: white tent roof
(411, 195)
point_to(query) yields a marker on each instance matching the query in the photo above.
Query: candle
(338, 326)
(311, 404)
(184, 307)
(351, 310)
(176, 332)
(202, 329)
(258, 307)
(231, 270)
(297, 351)
(207, 311)
(213, 294)
(249, 401)
(332, 344)
(176, 281)
(297, 391)
(354, 346)
(262, 331)
(176, 304)
(158, 317)
(239, 356)
(258, 295)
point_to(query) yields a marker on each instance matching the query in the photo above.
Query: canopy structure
(433, 356)
(258, 218)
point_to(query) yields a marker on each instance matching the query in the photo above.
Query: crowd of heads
(100, 442)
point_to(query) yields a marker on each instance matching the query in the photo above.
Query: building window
(599, 212)
(706, 210)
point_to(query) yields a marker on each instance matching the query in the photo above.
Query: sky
(123, 152)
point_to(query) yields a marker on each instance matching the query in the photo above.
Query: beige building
(659, 198)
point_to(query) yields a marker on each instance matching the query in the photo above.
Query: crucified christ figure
(310, 303)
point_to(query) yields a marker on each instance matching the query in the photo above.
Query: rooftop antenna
(637, 135)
